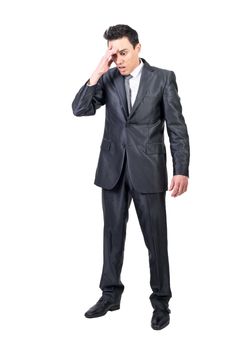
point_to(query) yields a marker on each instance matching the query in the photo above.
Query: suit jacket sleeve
(176, 127)
(89, 99)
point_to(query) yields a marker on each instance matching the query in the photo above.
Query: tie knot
(127, 77)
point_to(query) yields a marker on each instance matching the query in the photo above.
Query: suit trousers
(151, 213)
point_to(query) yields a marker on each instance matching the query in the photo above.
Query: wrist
(94, 79)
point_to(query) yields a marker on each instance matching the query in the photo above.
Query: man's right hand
(102, 67)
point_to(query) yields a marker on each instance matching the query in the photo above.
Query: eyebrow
(123, 50)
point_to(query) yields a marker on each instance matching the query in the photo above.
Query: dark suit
(132, 164)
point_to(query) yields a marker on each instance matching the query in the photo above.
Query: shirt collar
(138, 69)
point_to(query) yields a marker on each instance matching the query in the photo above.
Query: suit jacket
(141, 133)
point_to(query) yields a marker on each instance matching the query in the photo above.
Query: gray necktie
(128, 91)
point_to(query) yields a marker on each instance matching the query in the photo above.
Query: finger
(110, 62)
(109, 52)
(171, 185)
(184, 188)
(109, 55)
(175, 191)
(112, 50)
(180, 190)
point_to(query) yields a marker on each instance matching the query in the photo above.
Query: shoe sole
(115, 307)
(158, 328)
(112, 308)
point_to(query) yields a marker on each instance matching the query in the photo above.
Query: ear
(138, 47)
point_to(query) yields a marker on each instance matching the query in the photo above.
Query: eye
(123, 53)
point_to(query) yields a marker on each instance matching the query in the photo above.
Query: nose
(119, 60)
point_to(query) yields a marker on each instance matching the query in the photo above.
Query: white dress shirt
(135, 81)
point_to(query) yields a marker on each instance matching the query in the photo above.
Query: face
(126, 57)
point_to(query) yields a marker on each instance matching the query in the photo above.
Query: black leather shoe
(101, 307)
(160, 318)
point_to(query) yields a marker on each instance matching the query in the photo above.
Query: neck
(137, 63)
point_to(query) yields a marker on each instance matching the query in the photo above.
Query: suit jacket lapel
(120, 87)
(143, 86)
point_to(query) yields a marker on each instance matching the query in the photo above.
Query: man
(139, 100)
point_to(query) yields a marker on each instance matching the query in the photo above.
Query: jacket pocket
(155, 147)
(105, 144)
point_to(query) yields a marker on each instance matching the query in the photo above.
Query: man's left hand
(179, 184)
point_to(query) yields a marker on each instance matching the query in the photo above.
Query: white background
(51, 214)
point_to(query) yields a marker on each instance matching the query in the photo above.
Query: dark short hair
(119, 31)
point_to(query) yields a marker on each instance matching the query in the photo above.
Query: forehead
(120, 44)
